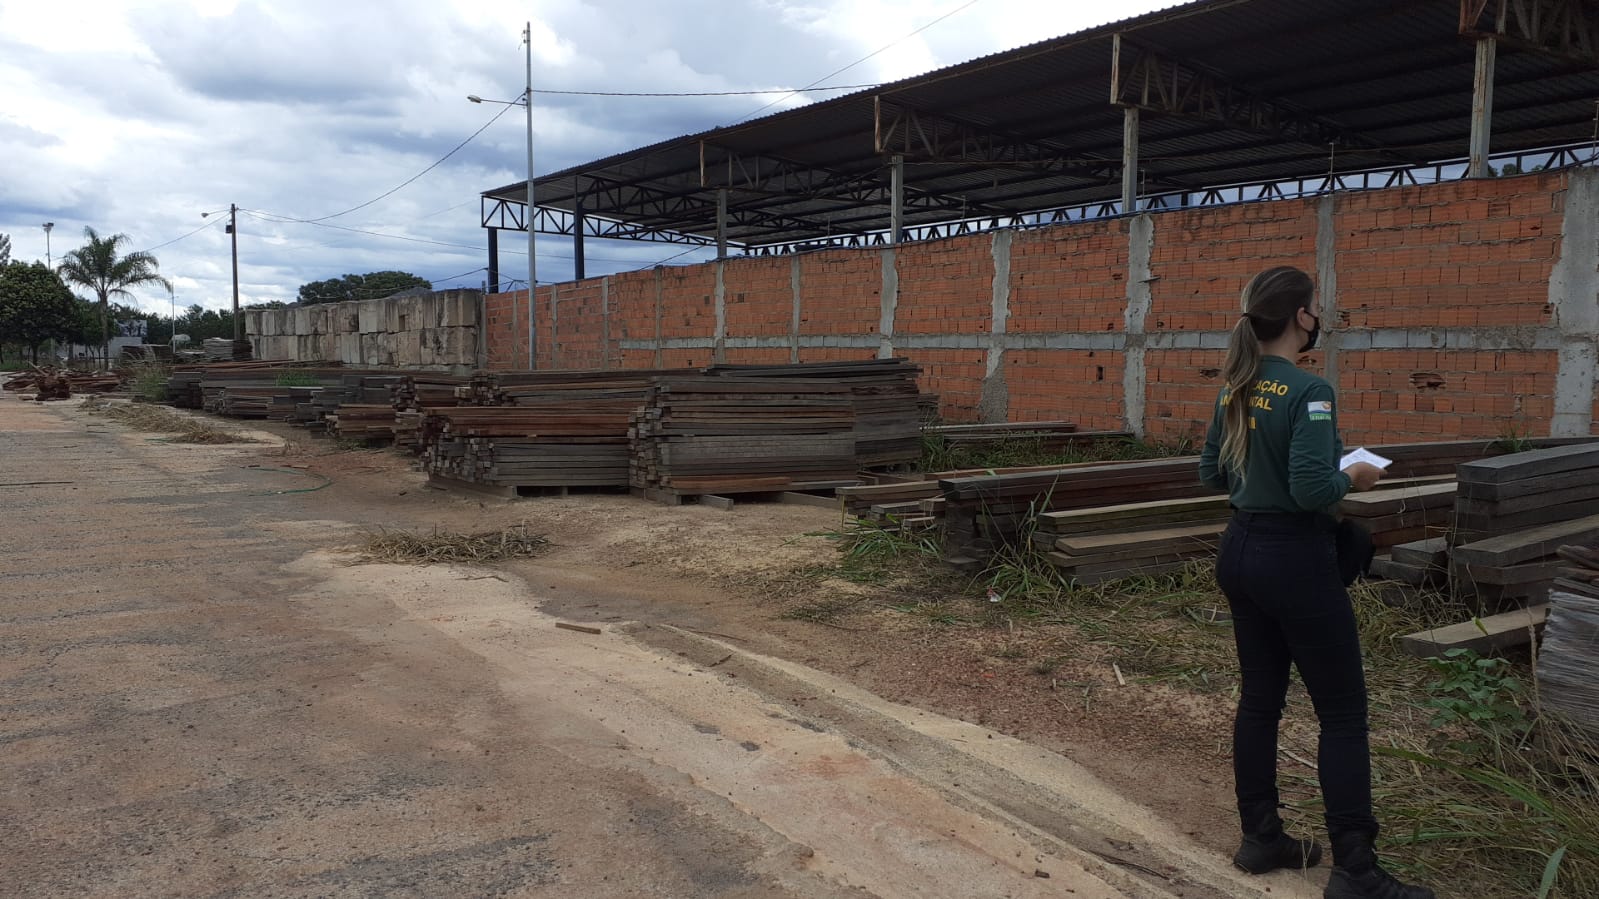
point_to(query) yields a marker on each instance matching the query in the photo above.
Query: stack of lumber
(1107, 543)
(1524, 490)
(1513, 512)
(887, 403)
(52, 383)
(1568, 662)
(1403, 510)
(186, 384)
(1581, 574)
(361, 421)
(984, 512)
(221, 349)
(1420, 563)
(1519, 566)
(419, 390)
(503, 446)
(697, 436)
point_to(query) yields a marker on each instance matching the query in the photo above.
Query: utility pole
(233, 229)
(532, 261)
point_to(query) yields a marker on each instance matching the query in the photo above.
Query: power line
(962, 8)
(402, 185)
(183, 237)
(785, 91)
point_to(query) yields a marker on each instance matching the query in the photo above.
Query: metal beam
(896, 214)
(1482, 108)
(922, 136)
(494, 260)
(577, 238)
(721, 223)
(1566, 29)
(511, 215)
(1143, 78)
(1130, 159)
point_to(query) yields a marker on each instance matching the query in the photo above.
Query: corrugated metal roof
(1394, 75)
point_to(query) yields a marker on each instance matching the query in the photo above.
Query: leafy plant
(1472, 690)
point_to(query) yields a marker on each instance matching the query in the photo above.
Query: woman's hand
(1364, 475)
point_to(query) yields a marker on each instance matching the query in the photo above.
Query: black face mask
(1315, 332)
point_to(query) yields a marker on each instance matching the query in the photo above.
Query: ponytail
(1242, 367)
(1270, 300)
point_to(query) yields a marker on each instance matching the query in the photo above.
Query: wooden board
(1543, 484)
(1430, 553)
(1535, 463)
(1481, 635)
(1524, 546)
(1198, 536)
(1390, 501)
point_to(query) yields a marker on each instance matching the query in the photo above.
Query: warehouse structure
(1061, 229)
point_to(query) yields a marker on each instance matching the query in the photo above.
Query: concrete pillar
(1482, 108)
(888, 305)
(659, 354)
(1574, 297)
(605, 322)
(719, 336)
(1129, 159)
(994, 404)
(1327, 285)
(794, 323)
(1140, 298)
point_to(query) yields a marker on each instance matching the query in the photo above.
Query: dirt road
(202, 696)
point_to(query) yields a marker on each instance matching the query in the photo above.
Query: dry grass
(161, 420)
(439, 548)
(1501, 808)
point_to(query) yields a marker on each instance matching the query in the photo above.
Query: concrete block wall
(428, 331)
(1457, 310)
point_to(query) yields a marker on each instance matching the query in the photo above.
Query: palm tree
(96, 266)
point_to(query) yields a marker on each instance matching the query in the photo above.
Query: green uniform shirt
(1294, 447)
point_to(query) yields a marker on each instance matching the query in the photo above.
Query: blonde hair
(1270, 301)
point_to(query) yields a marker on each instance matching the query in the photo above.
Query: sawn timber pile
(887, 403)
(698, 436)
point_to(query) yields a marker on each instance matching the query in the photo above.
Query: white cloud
(136, 117)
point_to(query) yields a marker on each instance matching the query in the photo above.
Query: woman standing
(1273, 445)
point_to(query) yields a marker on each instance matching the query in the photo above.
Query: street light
(532, 264)
(233, 229)
(47, 258)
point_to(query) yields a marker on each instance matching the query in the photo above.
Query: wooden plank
(1430, 553)
(1389, 501)
(807, 499)
(1520, 466)
(1524, 486)
(1197, 536)
(1480, 635)
(1549, 514)
(725, 503)
(1509, 505)
(1527, 545)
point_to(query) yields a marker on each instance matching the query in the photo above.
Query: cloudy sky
(136, 116)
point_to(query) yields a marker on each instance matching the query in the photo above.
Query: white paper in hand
(1361, 454)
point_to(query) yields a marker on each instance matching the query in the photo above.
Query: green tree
(5, 248)
(99, 266)
(370, 286)
(35, 306)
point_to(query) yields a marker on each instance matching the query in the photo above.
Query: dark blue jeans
(1289, 606)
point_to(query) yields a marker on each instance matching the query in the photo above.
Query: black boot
(1356, 875)
(1265, 847)
(1260, 856)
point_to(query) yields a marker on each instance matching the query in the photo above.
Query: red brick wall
(1463, 255)
(759, 298)
(1084, 386)
(579, 331)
